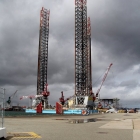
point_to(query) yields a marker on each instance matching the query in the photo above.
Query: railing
(2, 106)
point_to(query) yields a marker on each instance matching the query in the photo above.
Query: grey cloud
(129, 84)
(115, 39)
(115, 25)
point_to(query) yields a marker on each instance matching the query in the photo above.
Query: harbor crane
(44, 94)
(11, 97)
(62, 100)
(31, 97)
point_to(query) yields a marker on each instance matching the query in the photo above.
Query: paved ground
(118, 126)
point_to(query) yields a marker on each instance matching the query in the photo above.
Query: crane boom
(10, 97)
(106, 73)
(62, 100)
(13, 94)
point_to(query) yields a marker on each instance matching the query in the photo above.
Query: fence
(2, 106)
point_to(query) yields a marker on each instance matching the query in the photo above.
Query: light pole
(2, 113)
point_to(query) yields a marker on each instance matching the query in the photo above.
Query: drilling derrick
(43, 53)
(81, 55)
(89, 70)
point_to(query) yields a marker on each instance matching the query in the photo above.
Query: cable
(98, 79)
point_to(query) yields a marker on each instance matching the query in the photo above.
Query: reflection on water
(76, 121)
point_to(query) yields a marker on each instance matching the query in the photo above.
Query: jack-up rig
(41, 99)
(83, 75)
(84, 95)
(43, 58)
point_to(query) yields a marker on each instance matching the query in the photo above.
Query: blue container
(49, 111)
(72, 111)
(69, 111)
(30, 111)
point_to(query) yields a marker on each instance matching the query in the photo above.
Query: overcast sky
(115, 32)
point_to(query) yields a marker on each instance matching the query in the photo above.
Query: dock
(116, 126)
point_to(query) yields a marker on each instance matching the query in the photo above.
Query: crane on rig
(62, 100)
(105, 75)
(93, 98)
(89, 100)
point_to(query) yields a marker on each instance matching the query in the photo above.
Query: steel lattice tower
(81, 50)
(89, 70)
(43, 50)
